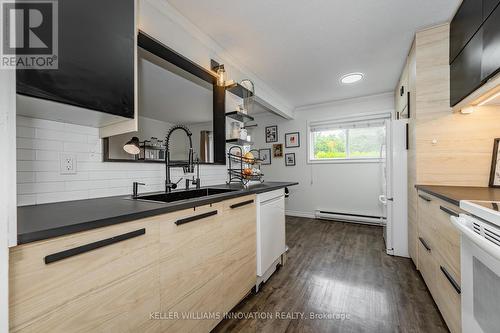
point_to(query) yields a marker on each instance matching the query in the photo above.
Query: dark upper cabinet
(96, 58)
(464, 25)
(465, 70)
(490, 59)
(488, 6)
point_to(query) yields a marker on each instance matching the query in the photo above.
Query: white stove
(480, 265)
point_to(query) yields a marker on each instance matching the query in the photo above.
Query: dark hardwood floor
(339, 269)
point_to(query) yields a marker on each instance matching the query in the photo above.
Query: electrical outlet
(67, 164)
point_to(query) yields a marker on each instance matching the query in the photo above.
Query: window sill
(346, 160)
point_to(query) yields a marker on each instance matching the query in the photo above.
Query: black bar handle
(452, 281)
(92, 246)
(424, 243)
(449, 211)
(425, 198)
(195, 218)
(240, 204)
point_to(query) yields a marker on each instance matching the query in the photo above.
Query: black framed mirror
(173, 90)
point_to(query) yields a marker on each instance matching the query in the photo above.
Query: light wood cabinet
(439, 256)
(240, 254)
(198, 261)
(111, 286)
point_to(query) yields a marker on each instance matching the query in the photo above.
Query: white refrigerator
(394, 196)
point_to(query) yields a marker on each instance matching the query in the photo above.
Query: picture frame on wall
(495, 165)
(290, 159)
(292, 140)
(272, 134)
(265, 156)
(278, 150)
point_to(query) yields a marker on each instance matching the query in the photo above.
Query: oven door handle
(486, 245)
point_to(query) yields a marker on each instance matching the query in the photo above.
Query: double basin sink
(184, 195)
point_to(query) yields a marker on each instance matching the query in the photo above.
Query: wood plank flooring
(339, 269)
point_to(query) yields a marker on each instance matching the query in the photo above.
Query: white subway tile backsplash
(42, 198)
(25, 177)
(26, 199)
(85, 185)
(47, 134)
(40, 143)
(26, 143)
(31, 188)
(25, 154)
(47, 155)
(25, 132)
(57, 177)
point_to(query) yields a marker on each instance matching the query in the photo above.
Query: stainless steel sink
(184, 195)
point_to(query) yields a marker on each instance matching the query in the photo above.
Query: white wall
(39, 144)
(340, 187)
(7, 187)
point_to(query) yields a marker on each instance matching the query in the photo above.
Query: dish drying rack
(237, 163)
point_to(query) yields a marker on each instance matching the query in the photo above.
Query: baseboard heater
(365, 219)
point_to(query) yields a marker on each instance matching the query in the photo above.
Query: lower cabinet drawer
(427, 264)
(447, 297)
(68, 282)
(192, 313)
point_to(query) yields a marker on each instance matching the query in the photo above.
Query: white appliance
(270, 233)
(394, 195)
(480, 265)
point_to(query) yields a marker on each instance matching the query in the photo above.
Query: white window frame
(359, 118)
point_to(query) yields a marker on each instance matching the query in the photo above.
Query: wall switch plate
(67, 164)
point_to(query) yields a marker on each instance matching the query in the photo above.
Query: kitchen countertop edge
(454, 194)
(163, 208)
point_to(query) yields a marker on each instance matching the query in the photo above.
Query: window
(343, 140)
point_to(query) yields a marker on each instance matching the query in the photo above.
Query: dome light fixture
(351, 78)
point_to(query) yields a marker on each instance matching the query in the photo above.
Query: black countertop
(453, 194)
(45, 221)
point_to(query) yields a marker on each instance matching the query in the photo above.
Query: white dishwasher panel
(270, 230)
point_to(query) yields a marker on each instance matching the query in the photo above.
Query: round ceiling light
(351, 78)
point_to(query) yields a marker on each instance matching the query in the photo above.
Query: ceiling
(302, 48)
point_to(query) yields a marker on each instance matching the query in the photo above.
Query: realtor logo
(29, 33)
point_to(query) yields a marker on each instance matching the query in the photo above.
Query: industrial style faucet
(187, 168)
(194, 181)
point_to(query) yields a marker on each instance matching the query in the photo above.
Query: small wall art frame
(272, 134)
(278, 150)
(292, 140)
(265, 156)
(290, 159)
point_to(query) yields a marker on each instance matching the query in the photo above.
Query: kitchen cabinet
(490, 58)
(464, 25)
(439, 256)
(239, 224)
(189, 262)
(115, 286)
(465, 70)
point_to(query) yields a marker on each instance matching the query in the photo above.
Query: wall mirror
(172, 90)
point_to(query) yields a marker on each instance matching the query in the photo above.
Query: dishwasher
(271, 247)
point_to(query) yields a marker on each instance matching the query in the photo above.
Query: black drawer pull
(449, 211)
(425, 198)
(92, 246)
(239, 204)
(424, 244)
(195, 218)
(454, 283)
